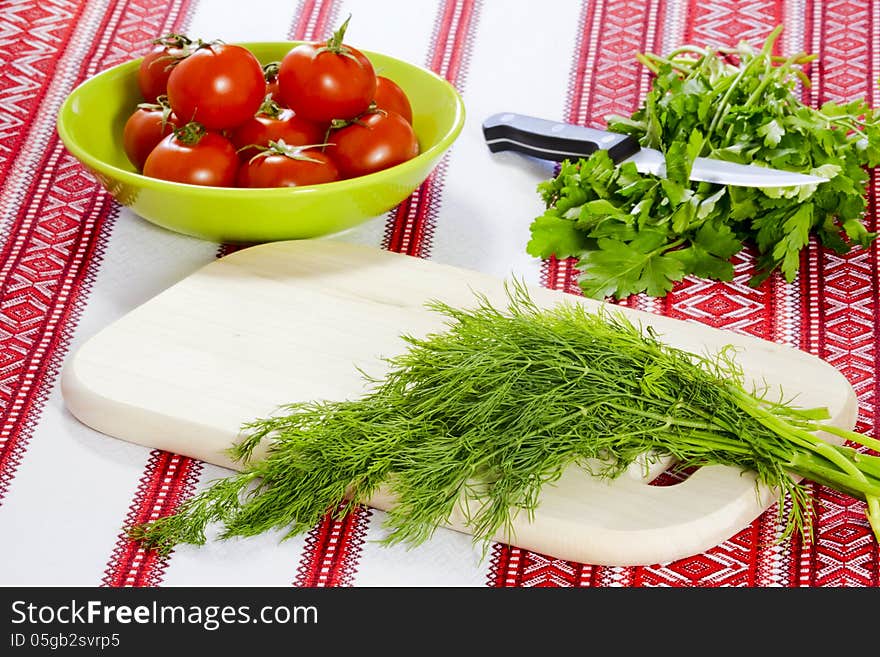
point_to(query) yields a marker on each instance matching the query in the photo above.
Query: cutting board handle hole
(673, 475)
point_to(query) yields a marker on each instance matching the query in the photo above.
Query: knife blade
(555, 141)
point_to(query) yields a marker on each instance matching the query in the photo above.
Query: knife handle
(552, 140)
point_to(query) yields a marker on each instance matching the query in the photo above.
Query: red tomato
(326, 81)
(274, 123)
(218, 85)
(379, 140)
(157, 64)
(389, 96)
(145, 128)
(283, 166)
(192, 155)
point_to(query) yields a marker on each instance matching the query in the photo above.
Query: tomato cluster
(213, 115)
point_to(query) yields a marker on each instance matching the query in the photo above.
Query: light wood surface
(293, 321)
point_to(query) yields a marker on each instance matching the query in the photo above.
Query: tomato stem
(338, 124)
(270, 71)
(334, 43)
(270, 108)
(281, 147)
(173, 40)
(208, 44)
(191, 133)
(160, 104)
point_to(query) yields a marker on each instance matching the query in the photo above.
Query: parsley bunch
(636, 233)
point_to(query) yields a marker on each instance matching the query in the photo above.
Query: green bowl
(91, 120)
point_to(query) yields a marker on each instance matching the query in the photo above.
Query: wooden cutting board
(293, 321)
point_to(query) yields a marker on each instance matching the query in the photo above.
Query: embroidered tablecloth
(72, 260)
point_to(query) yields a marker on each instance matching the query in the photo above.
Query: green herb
(498, 405)
(636, 233)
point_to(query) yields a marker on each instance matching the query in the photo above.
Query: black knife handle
(552, 140)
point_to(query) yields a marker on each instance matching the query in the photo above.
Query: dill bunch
(499, 404)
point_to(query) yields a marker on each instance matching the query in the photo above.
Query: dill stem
(815, 468)
(667, 420)
(873, 514)
(861, 439)
(865, 462)
(717, 442)
(797, 436)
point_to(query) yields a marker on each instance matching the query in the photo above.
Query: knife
(552, 140)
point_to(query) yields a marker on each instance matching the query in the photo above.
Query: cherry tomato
(218, 85)
(270, 73)
(274, 123)
(389, 96)
(156, 66)
(194, 156)
(326, 81)
(285, 166)
(378, 140)
(145, 128)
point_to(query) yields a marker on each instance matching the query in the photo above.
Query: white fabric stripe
(377, 563)
(491, 235)
(263, 560)
(488, 236)
(230, 21)
(450, 558)
(793, 40)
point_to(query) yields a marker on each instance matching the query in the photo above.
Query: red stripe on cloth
(560, 275)
(168, 479)
(48, 264)
(13, 347)
(314, 20)
(577, 102)
(333, 547)
(730, 564)
(514, 567)
(33, 37)
(43, 319)
(410, 226)
(727, 22)
(840, 299)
